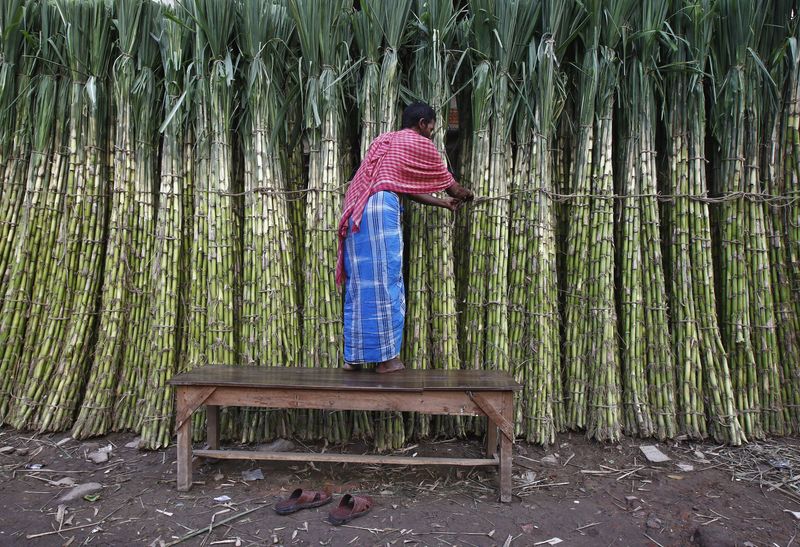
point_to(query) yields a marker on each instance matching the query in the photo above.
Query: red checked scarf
(401, 161)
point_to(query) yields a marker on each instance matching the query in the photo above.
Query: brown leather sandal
(350, 507)
(302, 499)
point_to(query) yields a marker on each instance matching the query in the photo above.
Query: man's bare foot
(354, 366)
(392, 365)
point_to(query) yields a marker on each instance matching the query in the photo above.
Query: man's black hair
(416, 112)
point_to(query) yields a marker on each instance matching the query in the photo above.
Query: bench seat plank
(342, 380)
(343, 458)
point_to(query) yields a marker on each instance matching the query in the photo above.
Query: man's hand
(459, 192)
(451, 203)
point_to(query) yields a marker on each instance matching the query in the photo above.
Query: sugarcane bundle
(604, 404)
(131, 389)
(53, 359)
(116, 384)
(774, 47)
(748, 328)
(213, 288)
(270, 328)
(210, 325)
(86, 208)
(638, 419)
(647, 360)
(167, 273)
(486, 342)
(521, 340)
(473, 332)
(592, 358)
(576, 313)
(114, 308)
(533, 284)
(704, 398)
(45, 252)
(323, 70)
(687, 337)
(734, 320)
(19, 283)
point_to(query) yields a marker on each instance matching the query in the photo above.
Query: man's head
(421, 118)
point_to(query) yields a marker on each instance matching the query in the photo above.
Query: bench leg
(184, 443)
(212, 427)
(491, 439)
(506, 448)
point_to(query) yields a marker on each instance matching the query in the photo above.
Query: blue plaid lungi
(374, 298)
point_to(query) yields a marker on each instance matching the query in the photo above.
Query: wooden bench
(454, 392)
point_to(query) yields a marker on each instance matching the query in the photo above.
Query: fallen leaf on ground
(549, 460)
(81, 490)
(253, 474)
(795, 514)
(60, 513)
(98, 456)
(134, 443)
(653, 454)
(551, 541)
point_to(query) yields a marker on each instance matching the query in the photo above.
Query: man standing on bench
(370, 261)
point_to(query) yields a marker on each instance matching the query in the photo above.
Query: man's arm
(451, 203)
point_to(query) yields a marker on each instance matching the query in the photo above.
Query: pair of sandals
(350, 506)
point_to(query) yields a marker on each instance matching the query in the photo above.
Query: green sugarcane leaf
(760, 64)
(172, 112)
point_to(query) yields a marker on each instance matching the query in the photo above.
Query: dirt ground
(579, 492)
